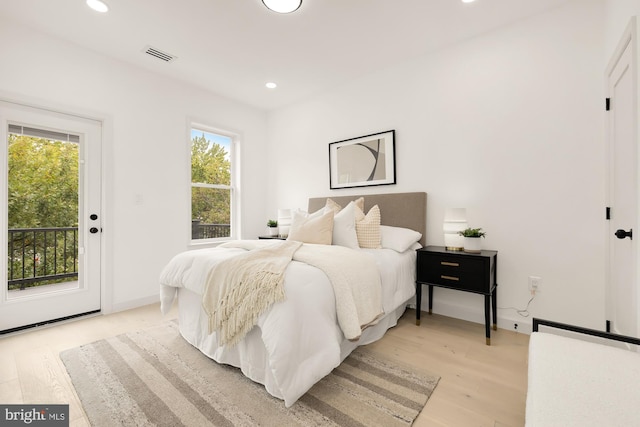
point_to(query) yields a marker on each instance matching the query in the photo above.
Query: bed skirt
(250, 354)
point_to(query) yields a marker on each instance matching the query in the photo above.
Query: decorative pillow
(306, 214)
(368, 228)
(330, 204)
(344, 227)
(359, 203)
(333, 206)
(397, 238)
(312, 229)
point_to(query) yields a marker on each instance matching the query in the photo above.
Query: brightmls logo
(34, 415)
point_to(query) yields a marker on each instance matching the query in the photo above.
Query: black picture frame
(364, 161)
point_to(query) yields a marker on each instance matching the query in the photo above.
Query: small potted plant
(272, 225)
(472, 239)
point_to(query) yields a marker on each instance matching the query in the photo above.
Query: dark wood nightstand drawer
(463, 281)
(458, 271)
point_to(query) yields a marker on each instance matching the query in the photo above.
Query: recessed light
(98, 6)
(468, 1)
(271, 85)
(282, 6)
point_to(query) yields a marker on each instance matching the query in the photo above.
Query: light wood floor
(480, 385)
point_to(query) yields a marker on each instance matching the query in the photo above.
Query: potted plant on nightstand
(472, 237)
(272, 225)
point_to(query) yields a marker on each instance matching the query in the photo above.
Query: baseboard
(476, 315)
(128, 305)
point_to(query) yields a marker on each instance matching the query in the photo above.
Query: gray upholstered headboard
(407, 210)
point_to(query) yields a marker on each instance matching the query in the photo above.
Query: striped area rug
(154, 377)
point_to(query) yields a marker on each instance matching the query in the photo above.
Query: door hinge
(607, 104)
(608, 213)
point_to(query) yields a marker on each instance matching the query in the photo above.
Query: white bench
(580, 383)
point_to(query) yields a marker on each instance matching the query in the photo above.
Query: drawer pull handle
(450, 278)
(449, 264)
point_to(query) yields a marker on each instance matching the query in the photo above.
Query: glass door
(50, 216)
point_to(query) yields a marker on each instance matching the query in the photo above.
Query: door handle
(93, 230)
(621, 234)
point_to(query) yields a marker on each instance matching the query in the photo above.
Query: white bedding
(579, 383)
(298, 341)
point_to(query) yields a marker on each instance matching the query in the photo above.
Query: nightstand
(272, 237)
(462, 271)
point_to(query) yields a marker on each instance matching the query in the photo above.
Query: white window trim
(234, 187)
(218, 186)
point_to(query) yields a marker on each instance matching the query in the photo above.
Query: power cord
(522, 312)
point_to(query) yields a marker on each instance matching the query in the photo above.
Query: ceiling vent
(156, 53)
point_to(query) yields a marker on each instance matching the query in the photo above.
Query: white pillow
(312, 229)
(397, 238)
(344, 227)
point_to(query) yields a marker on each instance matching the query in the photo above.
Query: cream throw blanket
(240, 289)
(356, 284)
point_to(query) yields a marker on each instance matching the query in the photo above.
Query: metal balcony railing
(39, 256)
(209, 231)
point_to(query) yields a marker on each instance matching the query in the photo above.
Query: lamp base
(453, 248)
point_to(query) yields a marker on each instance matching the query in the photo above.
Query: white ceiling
(233, 47)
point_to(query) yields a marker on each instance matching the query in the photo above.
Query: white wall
(508, 125)
(146, 149)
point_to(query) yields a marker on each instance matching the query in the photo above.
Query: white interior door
(622, 286)
(50, 164)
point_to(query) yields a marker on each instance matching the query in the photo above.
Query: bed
(575, 381)
(301, 339)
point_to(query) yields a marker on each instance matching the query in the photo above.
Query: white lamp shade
(455, 220)
(284, 221)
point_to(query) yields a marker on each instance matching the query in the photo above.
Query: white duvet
(298, 341)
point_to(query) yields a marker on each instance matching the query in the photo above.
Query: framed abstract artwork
(363, 161)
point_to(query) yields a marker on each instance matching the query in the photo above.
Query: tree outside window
(42, 200)
(211, 185)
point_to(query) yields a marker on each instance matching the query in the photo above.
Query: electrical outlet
(515, 326)
(534, 283)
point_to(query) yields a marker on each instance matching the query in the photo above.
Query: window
(212, 190)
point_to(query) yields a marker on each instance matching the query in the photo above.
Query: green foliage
(42, 193)
(272, 223)
(472, 232)
(43, 183)
(210, 165)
